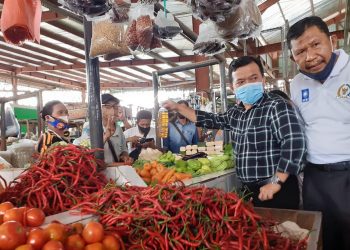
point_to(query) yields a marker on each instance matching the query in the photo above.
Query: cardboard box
(124, 175)
(310, 220)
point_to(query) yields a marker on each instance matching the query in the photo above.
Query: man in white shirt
(115, 150)
(137, 135)
(322, 93)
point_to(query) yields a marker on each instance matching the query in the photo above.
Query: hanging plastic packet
(215, 10)
(88, 8)
(108, 38)
(208, 41)
(243, 23)
(140, 35)
(120, 10)
(20, 21)
(165, 27)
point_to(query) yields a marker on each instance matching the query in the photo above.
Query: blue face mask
(250, 93)
(58, 124)
(323, 75)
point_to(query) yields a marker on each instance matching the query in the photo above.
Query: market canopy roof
(59, 60)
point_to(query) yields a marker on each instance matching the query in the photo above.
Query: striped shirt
(266, 138)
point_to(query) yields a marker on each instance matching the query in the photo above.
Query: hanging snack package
(165, 27)
(208, 41)
(131, 36)
(243, 23)
(88, 8)
(120, 10)
(140, 34)
(144, 32)
(215, 10)
(20, 21)
(108, 38)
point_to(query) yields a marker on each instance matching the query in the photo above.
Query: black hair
(48, 108)
(144, 114)
(244, 61)
(280, 93)
(105, 98)
(183, 102)
(298, 29)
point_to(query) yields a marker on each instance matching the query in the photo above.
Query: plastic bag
(243, 23)
(165, 27)
(140, 35)
(120, 10)
(7, 156)
(89, 8)
(215, 10)
(108, 38)
(23, 152)
(208, 42)
(20, 21)
(131, 36)
(144, 31)
(4, 164)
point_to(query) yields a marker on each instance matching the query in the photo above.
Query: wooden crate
(309, 220)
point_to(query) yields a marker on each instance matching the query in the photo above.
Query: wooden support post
(83, 96)
(39, 108)
(202, 74)
(3, 128)
(14, 85)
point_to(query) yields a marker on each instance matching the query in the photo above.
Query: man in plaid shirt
(269, 142)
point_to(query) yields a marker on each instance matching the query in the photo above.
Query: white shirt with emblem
(326, 111)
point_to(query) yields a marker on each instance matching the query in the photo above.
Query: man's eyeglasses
(110, 106)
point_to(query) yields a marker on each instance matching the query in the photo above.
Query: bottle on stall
(163, 120)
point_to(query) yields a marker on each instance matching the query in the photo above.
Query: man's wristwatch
(276, 180)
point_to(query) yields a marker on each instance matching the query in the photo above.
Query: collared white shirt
(134, 131)
(326, 112)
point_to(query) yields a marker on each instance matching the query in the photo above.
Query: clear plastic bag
(90, 8)
(144, 31)
(140, 34)
(131, 36)
(208, 42)
(215, 10)
(23, 152)
(165, 27)
(108, 38)
(120, 10)
(243, 23)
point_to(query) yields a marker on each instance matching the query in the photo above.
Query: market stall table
(226, 180)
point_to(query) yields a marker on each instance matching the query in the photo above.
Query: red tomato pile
(19, 230)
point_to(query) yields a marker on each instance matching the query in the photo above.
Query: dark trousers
(287, 197)
(326, 188)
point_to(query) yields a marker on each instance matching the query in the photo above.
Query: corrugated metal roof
(59, 59)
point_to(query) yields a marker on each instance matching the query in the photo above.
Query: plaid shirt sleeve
(214, 121)
(290, 135)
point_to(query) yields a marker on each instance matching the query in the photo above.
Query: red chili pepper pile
(179, 217)
(58, 180)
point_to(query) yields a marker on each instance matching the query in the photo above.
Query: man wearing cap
(115, 149)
